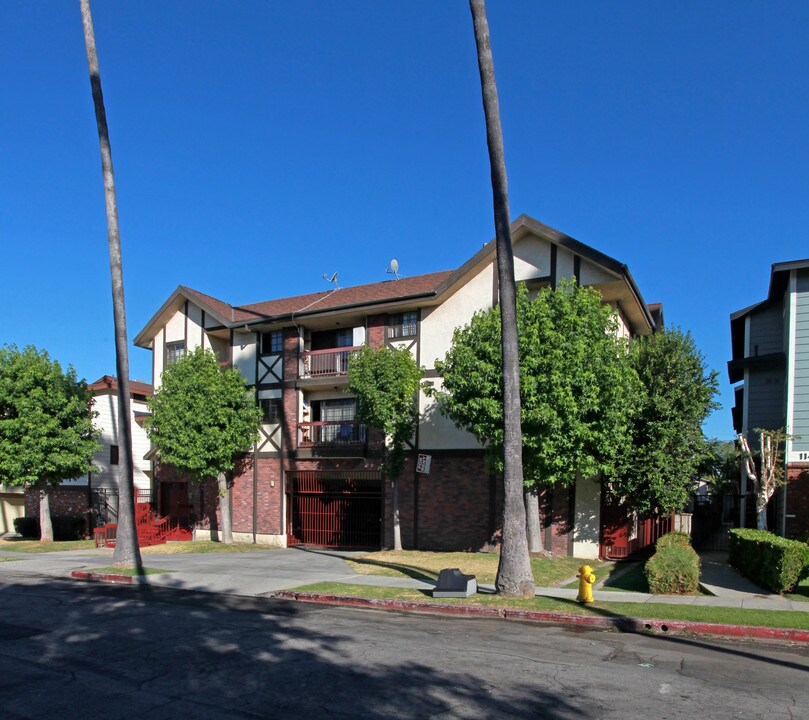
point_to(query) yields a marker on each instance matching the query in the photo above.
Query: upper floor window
(272, 342)
(174, 351)
(113, 455)
(403, 325)
(273, 409)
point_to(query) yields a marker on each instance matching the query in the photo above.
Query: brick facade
(376, 330)
(65, 501)
(797, 493)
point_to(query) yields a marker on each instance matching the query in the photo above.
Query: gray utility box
(453, 583)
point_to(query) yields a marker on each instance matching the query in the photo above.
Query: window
(272, 342)
(174, 351)
(273, 410)
(113, 454)
(404, 325)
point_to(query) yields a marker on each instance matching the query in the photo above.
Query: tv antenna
(332, 279)
(394, 268)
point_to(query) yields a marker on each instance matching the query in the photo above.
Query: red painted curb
(625, 624)
(101, 577)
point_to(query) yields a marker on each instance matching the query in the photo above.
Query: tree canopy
(46, 420)
(578, 391)
(203, 416)
(385, 382)
(668, 446)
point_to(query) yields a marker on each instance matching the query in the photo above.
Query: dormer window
(404, 325)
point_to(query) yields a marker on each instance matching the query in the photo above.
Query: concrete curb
(624, 624)
(108, 577)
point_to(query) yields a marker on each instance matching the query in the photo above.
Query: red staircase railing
(152, 530)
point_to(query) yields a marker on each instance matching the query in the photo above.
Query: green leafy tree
(46, 425)
(720, 467)
(386, 382)
(578, 391)
(668, 446)
(203, 420)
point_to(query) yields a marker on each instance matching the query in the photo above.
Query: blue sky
(258, 145)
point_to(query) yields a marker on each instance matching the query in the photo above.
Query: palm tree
(127, 552)
(514, 575)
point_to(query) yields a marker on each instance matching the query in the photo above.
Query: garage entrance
(334, 508)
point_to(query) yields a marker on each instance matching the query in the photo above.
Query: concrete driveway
(251, 573)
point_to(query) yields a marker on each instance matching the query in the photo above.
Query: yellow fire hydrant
(586, 580)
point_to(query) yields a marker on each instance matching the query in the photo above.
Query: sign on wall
(423, 464)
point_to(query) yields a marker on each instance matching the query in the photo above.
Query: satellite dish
(394, 268)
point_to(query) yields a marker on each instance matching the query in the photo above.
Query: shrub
(673, 538)
(28, 527)
(64, 528)
(69, 528)
(768, 560)
(673, 570)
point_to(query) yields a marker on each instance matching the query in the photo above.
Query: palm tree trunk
(514, 571)
(127, 552)
(45, 524)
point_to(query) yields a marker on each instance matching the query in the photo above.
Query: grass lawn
(656, 611)
(34, 546)
(129, 571)
(200, 547)
(426, 565)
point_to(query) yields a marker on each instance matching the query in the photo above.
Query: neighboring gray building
(770, 342)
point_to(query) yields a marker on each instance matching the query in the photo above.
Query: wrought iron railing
(338, 432)
(326, 363)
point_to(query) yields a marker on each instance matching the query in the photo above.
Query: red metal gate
(330, 508)
(623, 534)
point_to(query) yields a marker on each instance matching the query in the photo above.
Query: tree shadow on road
(79, 651)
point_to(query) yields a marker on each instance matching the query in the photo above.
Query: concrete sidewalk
(264, 572)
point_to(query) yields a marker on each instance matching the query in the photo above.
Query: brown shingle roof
(419, 285)
(108, 382)
(227, 312)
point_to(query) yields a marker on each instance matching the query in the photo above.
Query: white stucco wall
(175, 327)
(593, 275)
(587, 518)
(244, 355)
(532, 258)
(438, 323)
(107, 475)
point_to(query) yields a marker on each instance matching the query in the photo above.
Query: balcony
(338, 438)
(329, 363)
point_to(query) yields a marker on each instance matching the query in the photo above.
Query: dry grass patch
(35, 546)
(201, 547)
(548, 571)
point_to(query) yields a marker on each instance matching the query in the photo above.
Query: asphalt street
(73, 650)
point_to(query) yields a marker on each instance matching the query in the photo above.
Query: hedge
(768, 560)
(64, 528)
(673, 538)
(673, 569)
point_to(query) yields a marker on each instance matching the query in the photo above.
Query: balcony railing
(326, 363)
(331, 433)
